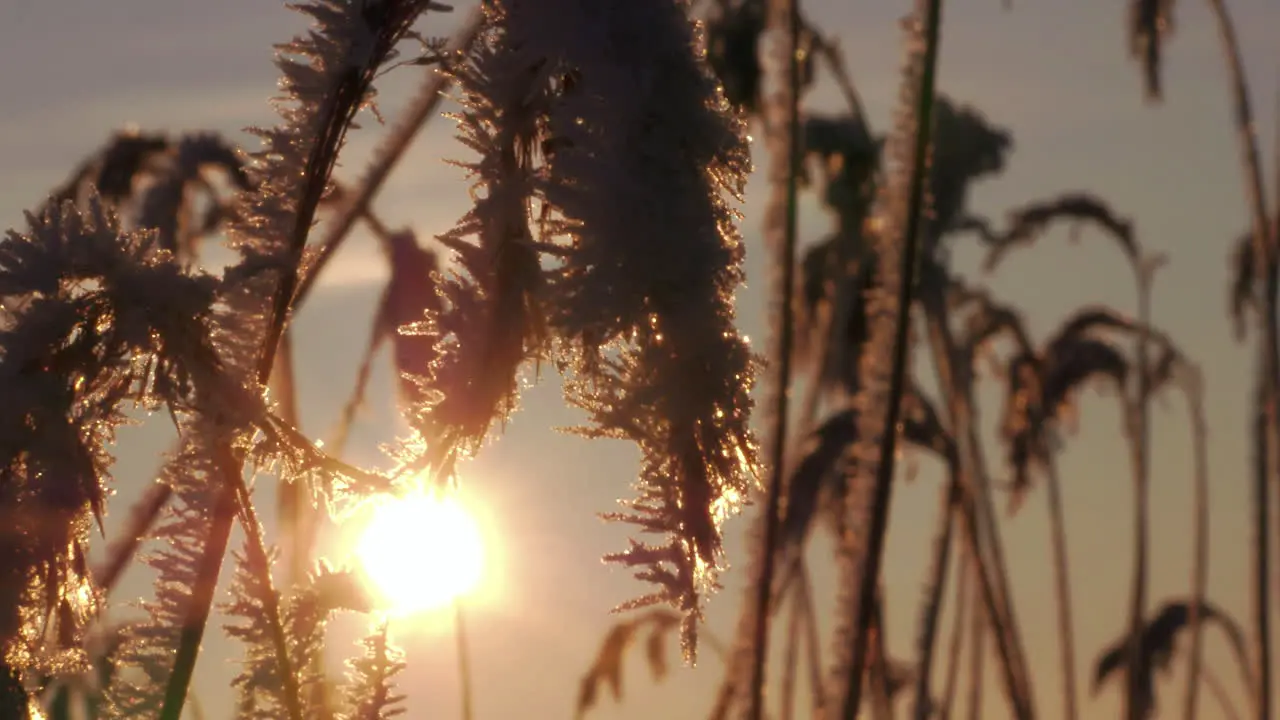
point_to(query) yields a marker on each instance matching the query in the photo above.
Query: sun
(421, 552)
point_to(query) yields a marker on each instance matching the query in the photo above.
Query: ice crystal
(604, 142)
(646, 154)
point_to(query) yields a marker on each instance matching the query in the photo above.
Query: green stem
(340, 111)
(184, 661)
(930, 20)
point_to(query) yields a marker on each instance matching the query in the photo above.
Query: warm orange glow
(421, 551)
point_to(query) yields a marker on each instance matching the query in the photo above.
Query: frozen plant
(602, 239)
(606, 146)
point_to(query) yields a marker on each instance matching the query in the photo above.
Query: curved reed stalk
(932, 610)
(1220, 694)
(1267, 388)
(1267, 393)
(1137, 423)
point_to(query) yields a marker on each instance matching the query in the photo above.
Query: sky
(1057, 75)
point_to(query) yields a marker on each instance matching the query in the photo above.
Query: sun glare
(421, 552)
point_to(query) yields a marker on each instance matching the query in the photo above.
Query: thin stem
(256, 547)
(930, 20)
(234, 495)
(464, 662)
(977, 658)
(341, 109)
(1267, 438)
(1273, 346)
(338, 111)
(1200, 567)
(299, 519)
(1261, 508)
(830, 51)
(998, 622)
(202, 591)
(878, 665)
(785, 16)
(956, 379)
(964, 573)
(141, 517)
(1220, 694)
(939, 565)
(791, 659)
(1062, 579)
(1137, 698)
(804, 596)
(414, 118)
(292, 503)
(1002, 618)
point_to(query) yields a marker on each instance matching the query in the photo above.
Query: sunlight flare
(421, 551)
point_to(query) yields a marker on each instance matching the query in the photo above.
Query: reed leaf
(1150, 25)
(409, 296)
(967, 147)
(606, 669)
(111, 171)
(1041, 391)
(1242, 296)
(1158, 638)
(817, 484)
(1028, 223)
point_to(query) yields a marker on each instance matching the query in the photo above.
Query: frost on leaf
(601, 233)
(371, 694)
(490, 322)
(647, 154)
(93, 320)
